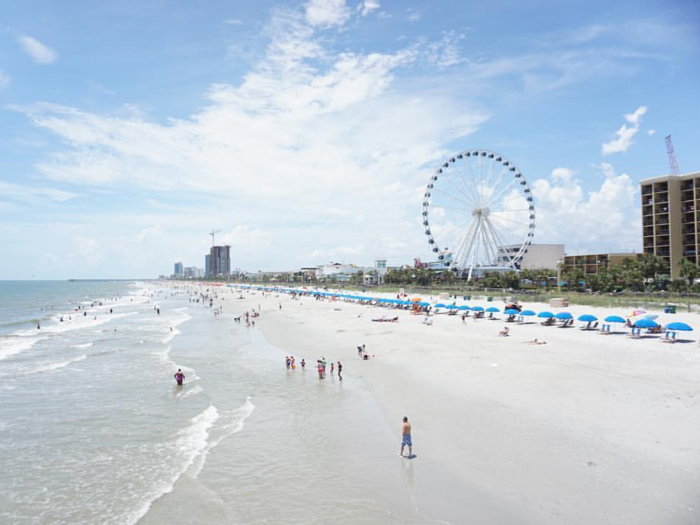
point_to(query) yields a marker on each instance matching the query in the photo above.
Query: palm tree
(688, 270)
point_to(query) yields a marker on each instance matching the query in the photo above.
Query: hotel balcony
(661, 197)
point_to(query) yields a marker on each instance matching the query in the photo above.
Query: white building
(331, 269)
(539, 256)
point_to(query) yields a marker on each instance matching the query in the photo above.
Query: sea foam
(190, 443)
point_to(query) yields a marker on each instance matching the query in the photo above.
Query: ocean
(93, 428)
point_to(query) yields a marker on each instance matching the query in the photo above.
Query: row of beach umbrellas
(645, 322)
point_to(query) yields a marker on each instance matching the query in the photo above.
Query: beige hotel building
(671, 218)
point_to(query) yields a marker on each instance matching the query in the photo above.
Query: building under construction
(220, 261)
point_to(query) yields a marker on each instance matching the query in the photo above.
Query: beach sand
(586, 429)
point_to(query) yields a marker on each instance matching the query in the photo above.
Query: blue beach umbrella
(679, 327)
(645, 323)
(527, 313)
(439, 305)
(464, 307)
(493, 309)
(587, 318)
(452, 307)
(423, 303)
(545, 314)
(513, 311)
(477, 308)
(615, 319)
(564, 315)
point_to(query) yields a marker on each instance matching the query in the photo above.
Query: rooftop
(662, 178)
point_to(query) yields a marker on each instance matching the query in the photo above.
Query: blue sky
(307, 131)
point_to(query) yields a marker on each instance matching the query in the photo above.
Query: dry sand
(588, 429)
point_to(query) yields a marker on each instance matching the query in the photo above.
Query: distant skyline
(307, 131)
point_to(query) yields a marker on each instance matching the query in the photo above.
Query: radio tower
(672, 162)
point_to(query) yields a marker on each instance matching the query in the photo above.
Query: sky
(307, 131)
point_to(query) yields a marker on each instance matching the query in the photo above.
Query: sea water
(93, 428)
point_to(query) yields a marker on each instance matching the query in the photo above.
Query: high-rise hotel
(671, 218)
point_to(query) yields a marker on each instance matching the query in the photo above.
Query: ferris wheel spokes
(488, 196)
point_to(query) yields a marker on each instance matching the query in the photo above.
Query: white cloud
(89, 249)
(605, 219)
(151, 233)
(40, 53)
(7, 206)
(367, 6)
(4, 79)
(446, 51)
(337, 253)
(624, 136)
(636, 118)
(412, 15)
(563, 175)
(337, 212)
(327, 13)
(32, 194)
(308, 135)
(651, 132)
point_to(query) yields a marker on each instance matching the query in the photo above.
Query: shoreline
(584, 429)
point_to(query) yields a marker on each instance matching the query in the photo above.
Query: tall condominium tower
(220, 261)
(671, 218)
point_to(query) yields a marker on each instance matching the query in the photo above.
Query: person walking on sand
(179, 377)
(406, 437)
(340, 370)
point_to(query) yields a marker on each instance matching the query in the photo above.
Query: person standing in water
(406, 437)
(180, 377)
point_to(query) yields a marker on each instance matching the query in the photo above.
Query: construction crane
(672, 162)
(212, 233)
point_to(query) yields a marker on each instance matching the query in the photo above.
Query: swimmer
(179, 377)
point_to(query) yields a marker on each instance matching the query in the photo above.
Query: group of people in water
(321, 366)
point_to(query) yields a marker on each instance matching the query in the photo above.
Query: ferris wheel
(478, 213)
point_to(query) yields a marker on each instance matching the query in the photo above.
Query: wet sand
(586, 429)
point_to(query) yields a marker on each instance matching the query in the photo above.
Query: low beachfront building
(592, 263)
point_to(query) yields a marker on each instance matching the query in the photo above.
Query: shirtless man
(406, 437)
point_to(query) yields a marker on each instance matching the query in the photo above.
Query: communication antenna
(672, 162)
(213, 233)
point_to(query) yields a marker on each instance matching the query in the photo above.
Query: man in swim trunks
(179, 377)
(406, 437)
